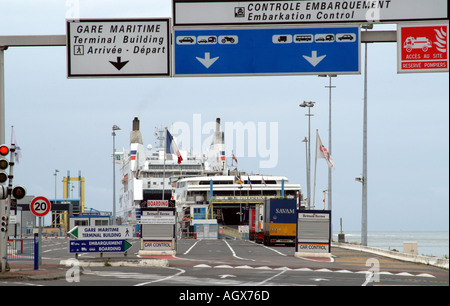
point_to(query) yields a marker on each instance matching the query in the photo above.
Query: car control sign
(422, 48)
(108, 48)
(313, 233)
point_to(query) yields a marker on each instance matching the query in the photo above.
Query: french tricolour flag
(171, 147)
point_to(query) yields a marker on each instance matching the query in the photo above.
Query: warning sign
(422, 48)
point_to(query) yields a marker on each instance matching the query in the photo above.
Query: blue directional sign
(260, 51)
(99, 246)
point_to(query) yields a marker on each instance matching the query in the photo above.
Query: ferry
(149, 174)
(201, 182)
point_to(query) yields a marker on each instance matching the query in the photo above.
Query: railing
(20, 249)
(234, 233)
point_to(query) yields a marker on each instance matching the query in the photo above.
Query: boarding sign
(157, 203)
(225, 12)
(110, 232)
(422, 48)
(98, 246)
(266, 51)
(118, 47)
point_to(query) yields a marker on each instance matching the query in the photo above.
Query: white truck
(417, 43)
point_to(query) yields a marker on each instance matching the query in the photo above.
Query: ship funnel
(217, 124)
(135, 134)
(136, 124)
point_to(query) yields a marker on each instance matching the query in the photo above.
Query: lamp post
(364, 174)
(55, 214)
(308, 104)
(114, 128)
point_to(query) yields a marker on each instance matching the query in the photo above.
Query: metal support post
(364, 174)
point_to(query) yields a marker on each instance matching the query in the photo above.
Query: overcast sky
(65, 124)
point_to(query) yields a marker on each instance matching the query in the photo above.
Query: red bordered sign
(40, 206)
(423, 48)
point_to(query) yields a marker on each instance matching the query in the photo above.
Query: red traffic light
(4, 150)
(19, 192)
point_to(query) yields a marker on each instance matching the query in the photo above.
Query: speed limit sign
(40, 206)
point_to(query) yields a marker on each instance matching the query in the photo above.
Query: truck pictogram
(417, 43)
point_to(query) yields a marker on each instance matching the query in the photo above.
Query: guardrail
(234, 233)
(428, 260)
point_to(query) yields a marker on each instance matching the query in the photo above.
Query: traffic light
(4, 224)
(3, 192)
(19, 192)
(4, 163)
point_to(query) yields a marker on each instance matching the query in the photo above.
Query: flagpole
(164, 167)
(315, 168)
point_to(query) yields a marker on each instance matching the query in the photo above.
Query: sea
(429, 243)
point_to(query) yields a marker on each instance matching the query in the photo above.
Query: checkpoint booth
(158, 231)
(89, 219)
(313, 233)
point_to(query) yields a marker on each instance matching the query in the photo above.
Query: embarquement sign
(194, 12)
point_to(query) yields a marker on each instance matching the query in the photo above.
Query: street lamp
(114, 128)
(308, 104)
(55, 214)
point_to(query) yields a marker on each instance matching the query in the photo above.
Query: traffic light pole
(5, 210)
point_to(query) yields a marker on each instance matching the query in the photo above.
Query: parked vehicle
(280, 221)
(256, 223)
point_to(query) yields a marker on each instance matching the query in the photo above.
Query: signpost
(221, 12)
(158, 231)
(100, 239)
(263, 51)
(110, 232)
(313, 233)
(118, 47)
(422, 48)
(99, 246)
(39, 206)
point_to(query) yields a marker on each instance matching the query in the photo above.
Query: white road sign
(221, 12)
(108, 48)
(109, 232)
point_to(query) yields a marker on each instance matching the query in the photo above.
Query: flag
(263, 181)
(234, 157)
(18, 152)
(250, 182)
(171, 147)
(238, 180)
(222, 155)
(322, 152)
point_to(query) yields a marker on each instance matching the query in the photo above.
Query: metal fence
(20, 249)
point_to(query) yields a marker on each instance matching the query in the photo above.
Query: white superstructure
(149, 174)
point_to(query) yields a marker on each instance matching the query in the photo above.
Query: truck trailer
(280, 221)
(256, 222)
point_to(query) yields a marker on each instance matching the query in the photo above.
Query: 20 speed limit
(40, 206)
